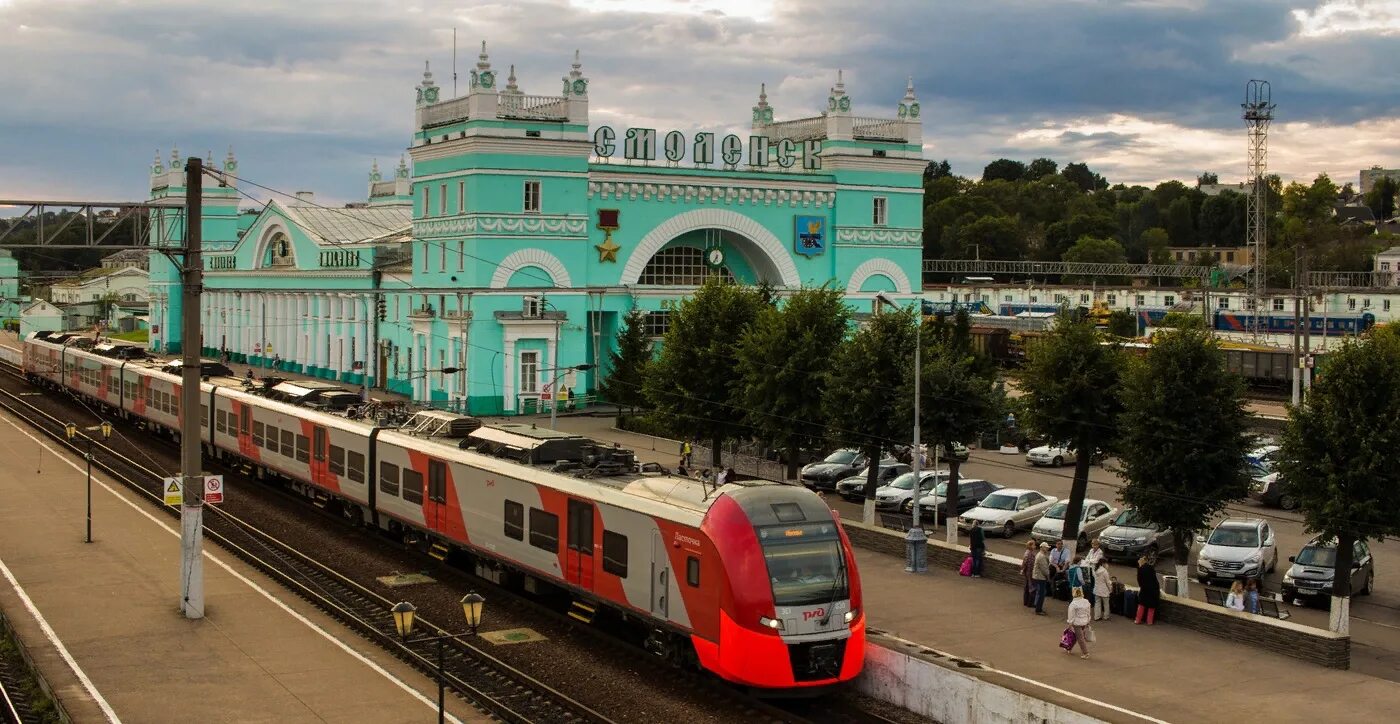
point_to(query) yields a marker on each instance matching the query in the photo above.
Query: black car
(1314, 568)
(835, 467)
(971, 491)
(852, 488)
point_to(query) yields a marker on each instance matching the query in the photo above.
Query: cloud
(309, 92)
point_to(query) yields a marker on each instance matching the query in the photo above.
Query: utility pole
(191, 462)
(1307, 327)
(1297, 320)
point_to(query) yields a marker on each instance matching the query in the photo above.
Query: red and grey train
(755, 582)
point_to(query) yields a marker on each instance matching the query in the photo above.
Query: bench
(1267, 606)
(896, 521)
(1215, 596)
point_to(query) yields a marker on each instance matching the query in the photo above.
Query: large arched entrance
(679, 252)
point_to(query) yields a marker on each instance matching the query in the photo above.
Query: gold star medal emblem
(607, 251)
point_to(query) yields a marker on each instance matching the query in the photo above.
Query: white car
(1052, 455)
(1237, 549)
(1006, 511)
(1094, 517)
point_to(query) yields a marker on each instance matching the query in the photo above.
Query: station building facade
(513, 239)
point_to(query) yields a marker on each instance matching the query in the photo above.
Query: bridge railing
(981, 267)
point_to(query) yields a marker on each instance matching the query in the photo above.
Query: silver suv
(1237, 548)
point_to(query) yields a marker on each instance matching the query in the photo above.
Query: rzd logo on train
(814, 613)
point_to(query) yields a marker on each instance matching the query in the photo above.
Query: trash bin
(1169, 585)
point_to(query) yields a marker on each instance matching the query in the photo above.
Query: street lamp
(405, 614)
(71, 431)
(915, 541)
(554, 388)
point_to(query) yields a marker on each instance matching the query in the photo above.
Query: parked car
(900, 492)
(1052, 455)
(1262, 456)
(853, 487)
(1006, 511)
(1131, 536)
(959, 453)
(1270, 489)
(971, 492)
(1315, 567)
(841, 464)
(1237, 548)
(1093, 518)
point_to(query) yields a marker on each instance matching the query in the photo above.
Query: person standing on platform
(1251, 595)
(1149, 591)
(1078, 619)
(978, 547)
(1040, 575)
(1103, 584)
(1027, 567)
(686, 452)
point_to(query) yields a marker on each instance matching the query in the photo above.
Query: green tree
(1220, 222)
(693, 382)
(1334, 454)
(1180, 224)
(1183, 320)
(1122, 323)
(860, 403)
(937, 169)
(1081, 176)
(1156, 242)
(1061, 235)
(1093, 250)
(628, 364)
(781, 381)
(1071, 382)
(1381, 198)
(957, 402)
(1310, 204)
(1184, 437)
(1040, 168)
(1004, 169)
(991, 237)
(1207, 179)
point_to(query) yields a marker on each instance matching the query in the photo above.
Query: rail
(484, 680)
(800, 129)
(1354, 280)
(1033, 268)
(538, 108)
(441, 114)
(879, 129)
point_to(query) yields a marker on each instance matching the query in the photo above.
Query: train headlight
(851, 615)
(773, 623)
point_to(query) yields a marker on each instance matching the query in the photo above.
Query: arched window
(278, 251)
(681, 266)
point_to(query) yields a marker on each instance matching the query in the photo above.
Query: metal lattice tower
(1258, 113)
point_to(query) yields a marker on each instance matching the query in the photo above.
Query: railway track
(15, 680)
(471, 673)
(366, 608)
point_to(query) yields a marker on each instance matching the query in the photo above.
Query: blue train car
(1340, 325)
(1013, 309)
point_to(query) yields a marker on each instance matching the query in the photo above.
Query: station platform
(102, 624)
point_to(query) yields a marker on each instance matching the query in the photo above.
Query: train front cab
(790, 612)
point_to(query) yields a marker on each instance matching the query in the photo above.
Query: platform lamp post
(71, 431)
(404, 614)
(915, 541)
(554, 388)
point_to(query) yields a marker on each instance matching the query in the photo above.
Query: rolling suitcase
(1130, 599)
(1062, 588)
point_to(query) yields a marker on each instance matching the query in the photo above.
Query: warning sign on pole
(213, 488)
(174, 491)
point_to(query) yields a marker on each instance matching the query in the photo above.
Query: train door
(318, 455)
(436, 516)
(660, 576)
(579, 555)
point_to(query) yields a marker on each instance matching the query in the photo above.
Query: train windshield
(805, 563)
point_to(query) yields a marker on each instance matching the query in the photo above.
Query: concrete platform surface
(103, 624)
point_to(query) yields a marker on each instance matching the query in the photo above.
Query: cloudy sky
(309, 92)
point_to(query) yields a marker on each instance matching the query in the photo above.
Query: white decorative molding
(883, 267)
(762, 240)
(531, 257)
(265, 237)
(502, 225)
(878, 235)
(709, 194)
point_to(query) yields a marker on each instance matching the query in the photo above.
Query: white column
(284, 328)
(508, 375)
(314, 328)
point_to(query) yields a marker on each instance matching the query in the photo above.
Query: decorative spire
(427, 75)
(483, 78)
(427, 90)
(157, 168)
(403, 167)
(174, 157)
(209, 158)
(574, 82)
(762, 113)
(838, 101)
(909, 106)
(230, 162)
(374, 171)
(483, 61)
(511, 87)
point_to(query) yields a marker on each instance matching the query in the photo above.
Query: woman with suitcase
(1149, 591)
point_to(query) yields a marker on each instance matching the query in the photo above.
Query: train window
(258, 434)
(388, 478)
(544, 530)
(692, 571)
(289, 441)
(233, 423)
(788, 512)
(515, 520)
(303, 449)
(337, 461)
(615, 553)
(204, 416)
(355, 466)
(412, 486)
(221, 421)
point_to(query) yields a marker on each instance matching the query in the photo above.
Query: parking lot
(1375, 619)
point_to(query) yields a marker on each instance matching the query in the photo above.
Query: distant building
(138, 258)
(123, 284)
(40, 316)
(1354, 216)
(1388, 260)
(1208, 255)
(1370, 176)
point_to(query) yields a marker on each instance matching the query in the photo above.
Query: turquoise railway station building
(513, 237)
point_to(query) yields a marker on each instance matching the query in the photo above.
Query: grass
(139, 335)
